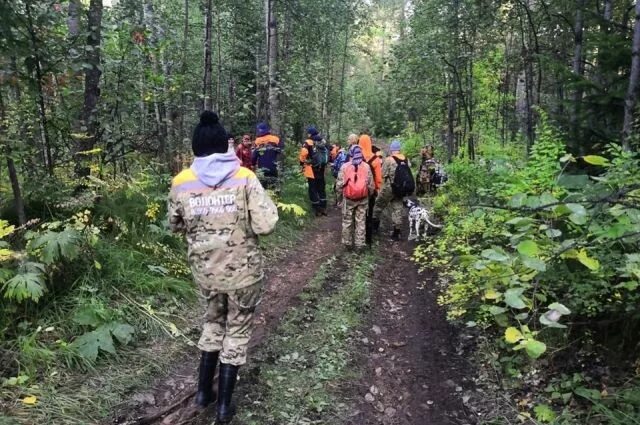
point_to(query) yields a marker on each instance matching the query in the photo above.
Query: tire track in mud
(413, 369)
(170, 399)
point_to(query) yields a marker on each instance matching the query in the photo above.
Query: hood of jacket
(366, 146)
(214, 169)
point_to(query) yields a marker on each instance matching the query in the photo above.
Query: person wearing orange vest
(221, 208)
(313, 169)
(376, 167)
(354, 186)
(265, 156)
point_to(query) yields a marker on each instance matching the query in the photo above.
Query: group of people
(221, 207)
(367, 184)
(260, 155)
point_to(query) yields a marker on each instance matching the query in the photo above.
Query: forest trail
(407, 357)
(413, 366)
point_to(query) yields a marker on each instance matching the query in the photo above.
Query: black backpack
(403, 183)
(319, 154)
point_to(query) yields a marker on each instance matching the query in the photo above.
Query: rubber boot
(208, 362)
(226, 382)
(395, 235)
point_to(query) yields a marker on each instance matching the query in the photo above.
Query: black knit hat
(209, 137)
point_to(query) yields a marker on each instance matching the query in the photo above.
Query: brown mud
(414, 371)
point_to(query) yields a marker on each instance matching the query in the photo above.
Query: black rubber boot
(395, 235)
(208, 363)
(226, 382)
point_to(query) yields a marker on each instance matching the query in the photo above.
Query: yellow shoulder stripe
(185, 176)
(244, 173)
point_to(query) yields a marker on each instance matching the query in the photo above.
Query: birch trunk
(631, 99)
(207, 86)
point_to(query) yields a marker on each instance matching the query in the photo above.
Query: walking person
(397, 183)
(314, 156)
(354, 186)
(221, 208)
(244, 152)
(266, 155)
(426, 171)
(376, 168)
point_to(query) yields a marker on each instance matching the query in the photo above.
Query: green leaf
(87, 316)
(591, 263)
(512, 335)
(122, 332)
(491, 294)
(535, 348)
(534, 263)
(528, 248)
(513, 298)
(544, 413)
(91, 343)
(495, 255)
(25, 286)
(495, 310)
(560, 308)
(55, 246)
(517, 200)
(595, 160)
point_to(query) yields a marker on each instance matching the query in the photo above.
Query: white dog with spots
(418, 219)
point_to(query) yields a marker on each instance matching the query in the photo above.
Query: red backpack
(355, 182)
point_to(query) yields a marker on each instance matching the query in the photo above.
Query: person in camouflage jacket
(221, 208)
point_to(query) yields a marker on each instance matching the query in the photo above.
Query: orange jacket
(269, 138)
(376, 164)
(304, 159)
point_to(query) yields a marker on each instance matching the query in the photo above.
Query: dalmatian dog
(418, 218)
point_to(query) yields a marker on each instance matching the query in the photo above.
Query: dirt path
(413, 370)
(172, 395)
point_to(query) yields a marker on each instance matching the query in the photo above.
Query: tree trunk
(272, 58)
(73, 19)
(343, 76)
(88, 124)
(608, 10)
(578, 72)
(219, 60)
(183, 70)
(207, 86)
(42, 110)
(631, 99)
(18, 202)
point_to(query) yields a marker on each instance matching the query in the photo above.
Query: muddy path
(413, 366)
(170, 399)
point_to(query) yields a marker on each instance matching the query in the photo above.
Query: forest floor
(340, 339)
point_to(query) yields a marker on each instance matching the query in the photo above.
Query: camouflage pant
(228, 323)
(354, 217)
(386, 198)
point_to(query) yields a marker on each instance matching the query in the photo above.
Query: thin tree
(272, 60)
(631, 100)
(207, 85)
(87, 130)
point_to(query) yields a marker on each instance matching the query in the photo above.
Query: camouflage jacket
(389, 170)
(221, 224)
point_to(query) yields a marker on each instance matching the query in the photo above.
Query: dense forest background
(532, 104)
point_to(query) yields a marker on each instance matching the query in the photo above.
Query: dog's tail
(437, 226)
